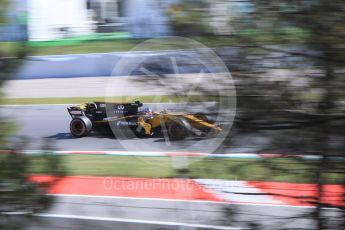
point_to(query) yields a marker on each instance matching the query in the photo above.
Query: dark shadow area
(61, 136)
(187, 139)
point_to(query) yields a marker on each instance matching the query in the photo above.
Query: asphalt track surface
(77, 212)
(42, 124)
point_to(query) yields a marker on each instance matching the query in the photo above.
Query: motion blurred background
(286, 59)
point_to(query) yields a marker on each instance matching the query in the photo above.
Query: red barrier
(302, 194)
(179, 189)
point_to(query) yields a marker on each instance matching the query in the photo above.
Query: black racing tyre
(79, 127)
(204, 117)
(178, 129)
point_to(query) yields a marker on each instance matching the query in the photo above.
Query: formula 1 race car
(100, 116)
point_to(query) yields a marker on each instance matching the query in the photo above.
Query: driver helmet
(147, 111)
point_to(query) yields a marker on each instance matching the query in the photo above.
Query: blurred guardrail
(103, 64)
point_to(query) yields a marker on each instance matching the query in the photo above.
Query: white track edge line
(191, 201)
(140, 198)
(138, 221)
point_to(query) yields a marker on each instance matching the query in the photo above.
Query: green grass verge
(87, 47)
(284, 170)
(104, 45)
(78, 100)
(81, 39)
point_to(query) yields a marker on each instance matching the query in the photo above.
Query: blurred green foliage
(189, 17)
(3, 10)
(17, 193)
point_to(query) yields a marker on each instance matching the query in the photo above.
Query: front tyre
(178, 129)
(80, 127)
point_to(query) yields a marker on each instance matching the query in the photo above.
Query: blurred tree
(290, 85)
(3, 6)
(299, 51)
(189, 17)
(17, 193)
(297, 79)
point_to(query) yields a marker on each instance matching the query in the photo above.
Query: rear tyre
(79, 127)
(178, 129)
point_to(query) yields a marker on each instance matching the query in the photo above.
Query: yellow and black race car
(101, 116)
